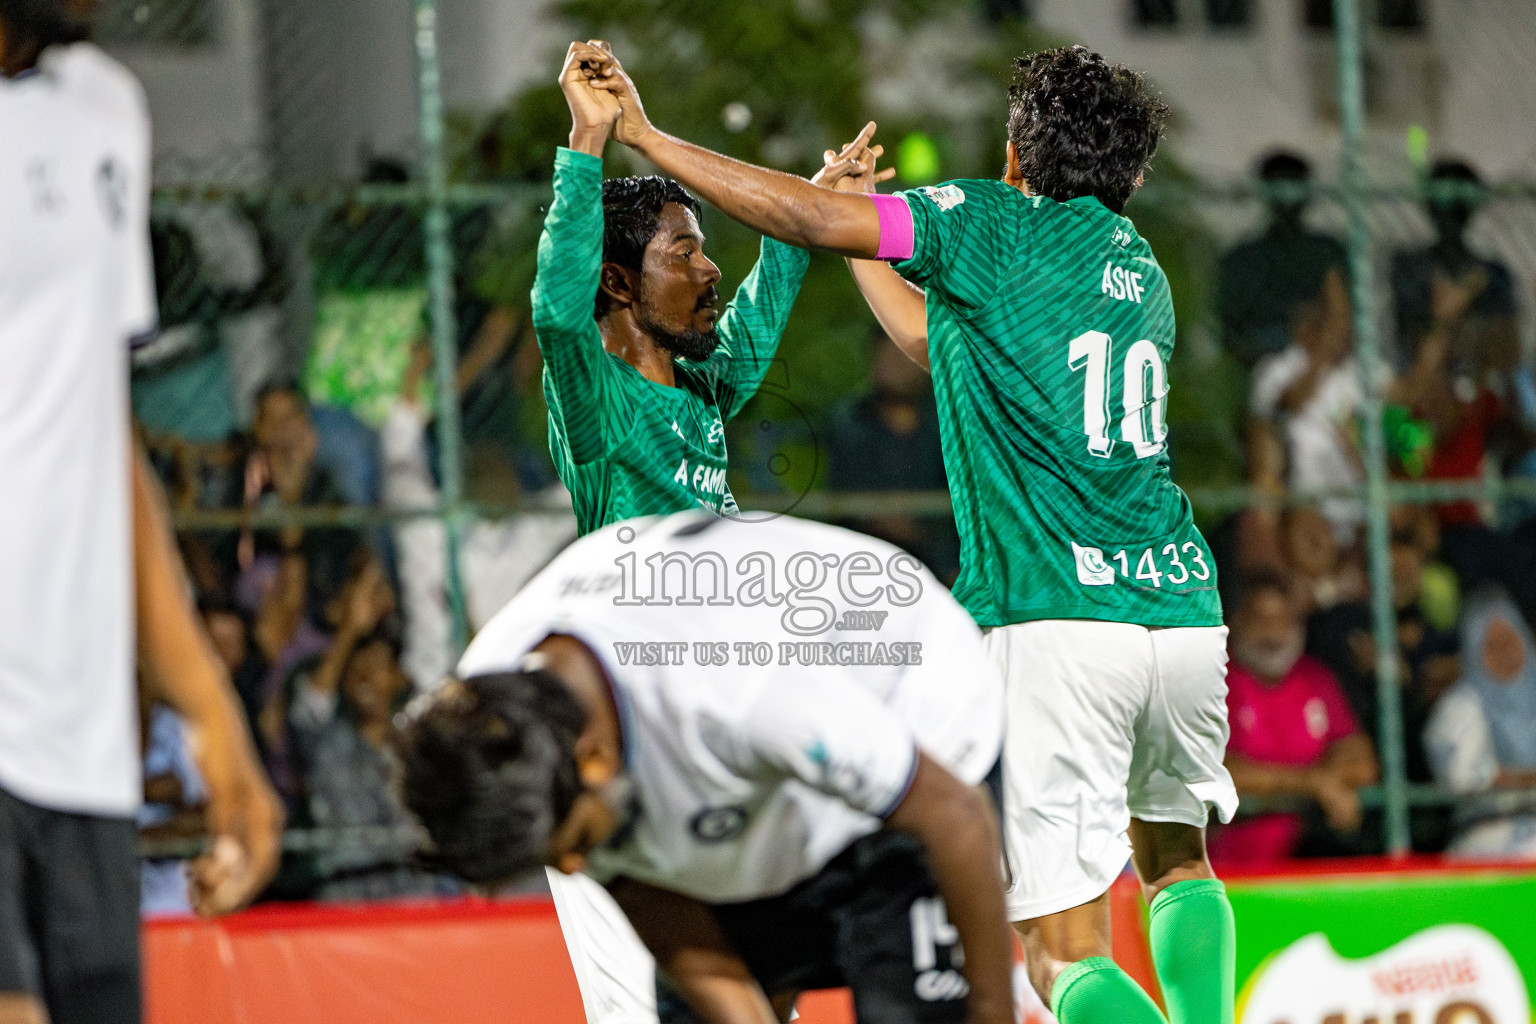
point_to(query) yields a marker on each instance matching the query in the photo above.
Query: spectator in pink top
(1293, 734)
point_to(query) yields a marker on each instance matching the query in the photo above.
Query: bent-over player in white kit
(765, 740)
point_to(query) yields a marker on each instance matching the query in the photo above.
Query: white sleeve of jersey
(140, 310)
(833, 735)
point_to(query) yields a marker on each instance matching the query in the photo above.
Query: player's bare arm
(956, 825)
(686, 941)
(179, 661)
(899, 305)
(776, 204)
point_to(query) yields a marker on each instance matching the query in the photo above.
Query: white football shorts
(1106, 720)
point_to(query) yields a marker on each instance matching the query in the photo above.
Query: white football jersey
(774, 683)
(76, 286)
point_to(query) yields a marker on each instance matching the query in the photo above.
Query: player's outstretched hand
(853, 169)
(606, 75)
(593, 112)
(247, 827)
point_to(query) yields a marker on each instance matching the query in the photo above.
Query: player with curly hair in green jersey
(1048, 326)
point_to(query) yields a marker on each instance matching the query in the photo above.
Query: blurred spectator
(229, 628)
(1263, 283)
(1482, 735)
(1491, 336)
(1322, 574)
(369, 269)
(174, 796)
(497, 555)
(888, 440)
(1455, 316)
(294, 437)
(341, 712)
(1293, 733)
(1304, 404)
(1427, 664)
(183, 381)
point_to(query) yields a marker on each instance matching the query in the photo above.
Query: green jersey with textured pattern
(625, 445)
(1050, 329)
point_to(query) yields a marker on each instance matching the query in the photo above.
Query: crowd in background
(328, 629)
(1304, 697)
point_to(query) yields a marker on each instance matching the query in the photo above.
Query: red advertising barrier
(433, 963)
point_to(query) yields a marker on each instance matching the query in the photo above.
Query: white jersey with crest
(76, 287)
(774, 682)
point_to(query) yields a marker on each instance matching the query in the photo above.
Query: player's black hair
(489, 768)
(41, 23)
(1082, 126)
(631, 212)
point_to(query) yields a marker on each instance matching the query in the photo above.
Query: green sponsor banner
(1455, 947)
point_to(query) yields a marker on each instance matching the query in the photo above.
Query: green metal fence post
(429, 88)
(1389, 727)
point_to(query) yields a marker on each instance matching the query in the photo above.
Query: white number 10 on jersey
(1145, 395)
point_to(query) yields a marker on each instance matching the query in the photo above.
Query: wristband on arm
(895, 227)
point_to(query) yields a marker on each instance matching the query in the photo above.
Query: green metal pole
(429, 85)
(1389, 726)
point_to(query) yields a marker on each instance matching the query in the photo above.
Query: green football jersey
(624, 445)
(1050, 329)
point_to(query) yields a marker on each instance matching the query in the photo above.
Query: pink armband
(895, 227)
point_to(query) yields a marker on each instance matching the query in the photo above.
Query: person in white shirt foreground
(90, 565)
(765, 740)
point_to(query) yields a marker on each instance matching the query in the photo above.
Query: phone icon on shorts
(1092, 570)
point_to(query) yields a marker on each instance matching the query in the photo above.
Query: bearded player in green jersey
(642, 369)
(1048, 325)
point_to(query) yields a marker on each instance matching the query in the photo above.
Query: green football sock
(1096, 991)
(1194, 949)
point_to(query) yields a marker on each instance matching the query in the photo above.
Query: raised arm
(689, 946)
(899, 305)
(182, 668)
(773, 203)
(956, 825)
(570, 266)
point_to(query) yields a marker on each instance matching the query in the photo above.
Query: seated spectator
(1293, 733)
(1343, 639)
(321, 454)
(1452, 390)
(341, 713)
(1482, 735)
(230, 630)
(1263, 283)
(1321, 574)
(887, 439)
(174, 797)
(1305, 402)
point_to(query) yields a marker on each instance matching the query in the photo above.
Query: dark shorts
(871, 920)
(69, 912)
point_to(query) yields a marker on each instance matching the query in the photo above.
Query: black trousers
(69, 912)
(871, 920)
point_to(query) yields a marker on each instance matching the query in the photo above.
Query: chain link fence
(344, 256)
